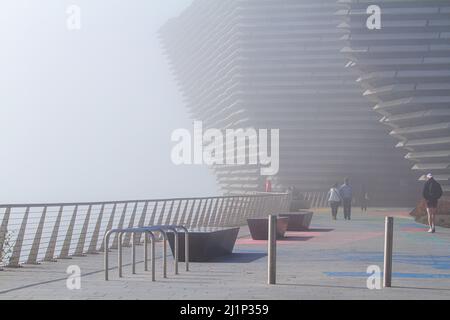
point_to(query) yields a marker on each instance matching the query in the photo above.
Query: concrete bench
(259, 228)
(206, 243)
(298, 221)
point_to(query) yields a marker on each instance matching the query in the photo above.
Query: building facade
(404, 69)
(277, 64)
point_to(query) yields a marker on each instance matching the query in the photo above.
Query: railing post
(141, 222)
(388, 246)
(182, 219)
(120, 226)
(198, 213)
(212, 219)
(177, 213)
(240, 214)
(191, 213)
(4, 228)
(229, 213)
(218, 213)
(50, 254)
(32, 257)
(207, 215)
(153, 215)
(66, 245)
(15, 257)
(223, 214)
(272, 250)
(109, 226)
(94, 240)
(82, 239)
(169, 214)
(126, 242)
(161, 214)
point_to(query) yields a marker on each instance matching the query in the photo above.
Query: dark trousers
(347, 208)
(334, 208)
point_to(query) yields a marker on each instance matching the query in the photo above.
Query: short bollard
(272, 250)
(388, 245)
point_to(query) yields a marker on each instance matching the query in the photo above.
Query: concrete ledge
(259, 228)
(205, 244)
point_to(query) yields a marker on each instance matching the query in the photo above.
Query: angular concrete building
(277, 64)
(404, 68)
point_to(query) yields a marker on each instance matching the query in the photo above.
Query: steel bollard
(272, 250)
(133, 252)
(119, 257)
(388, 245)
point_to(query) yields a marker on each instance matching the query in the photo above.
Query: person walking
(432, 192)
(345, 191)
(334, 199)
(364, 199)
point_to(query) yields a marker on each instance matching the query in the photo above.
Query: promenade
(328, 262)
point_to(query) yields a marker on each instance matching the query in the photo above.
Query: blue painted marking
(435, 262)
(394, 275)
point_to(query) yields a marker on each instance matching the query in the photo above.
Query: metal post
(133, 252)
(106, 254)
(176, 251)
(164, 254)
(272, 249)
(145, 251)
(388, 245)
(152, 237)
(119, 245)
(186, 248)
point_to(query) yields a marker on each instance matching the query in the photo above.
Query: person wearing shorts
(432, 192)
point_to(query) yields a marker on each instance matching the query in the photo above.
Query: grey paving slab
(328, 262)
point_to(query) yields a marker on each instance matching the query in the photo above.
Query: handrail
(38, 232)
(71, 204)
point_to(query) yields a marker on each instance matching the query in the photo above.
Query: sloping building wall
(277, 64)
(404, 69)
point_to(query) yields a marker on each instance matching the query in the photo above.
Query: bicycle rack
(148, 232)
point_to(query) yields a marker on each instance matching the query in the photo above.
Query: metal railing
(50, 231)
(148, 232)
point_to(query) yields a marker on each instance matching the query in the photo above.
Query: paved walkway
(329, 262)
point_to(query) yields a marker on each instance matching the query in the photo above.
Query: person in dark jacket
(345, 192)
(432, 192)
(364, 199)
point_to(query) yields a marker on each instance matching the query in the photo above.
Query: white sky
(87, 115)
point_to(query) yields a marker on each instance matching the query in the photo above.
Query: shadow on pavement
(239, 257)
(319, 230)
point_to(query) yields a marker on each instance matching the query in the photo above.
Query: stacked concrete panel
(404, 68)
(277, 64)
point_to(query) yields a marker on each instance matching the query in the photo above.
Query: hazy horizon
(87, 115)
